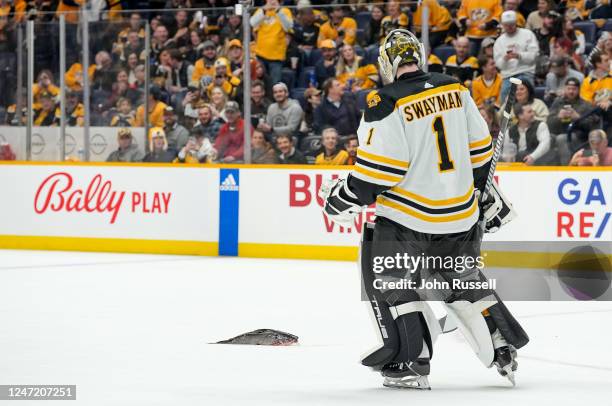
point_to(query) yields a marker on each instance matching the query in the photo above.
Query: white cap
(508, 17)
(302, 4)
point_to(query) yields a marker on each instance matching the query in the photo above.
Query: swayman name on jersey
(424, 150)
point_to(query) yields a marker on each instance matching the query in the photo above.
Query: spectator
(159, 41)
(218, 100)
(162, 69)
(128, 151)
(337, 109)
(258, 72)
(489, 113)
(44, 85)
(338, 28)
(288, 154)
(176, 135)
(46, 114)
(440, 21)
(597, 87)
(6, 152)
(461, 65)
(224, 80)
(525, 94)
(530, 136)
(331, 154)
(598, 153)
(486, 88)
(75, 111)
(132, 63)
(156, 109)
(351, 144)
(434, 64)
(535, 19)
(285, 115)
(159, 151)
(134, 45)
(353, 71)
(557, 77)
(478, 20)
(190, 153)
(233, 28)
(486, 48)
(207, 123)
(513, 5)
(180, 76)
(551, 29)
(235, 56)
(394, 18)
(515, 52)
(325, 68)
(576, 36)
(261, 150)
(230, 141)
(313, 100)
(125, 116)
(307, 29)
(259, 102)
(374, 28)
(180, 37)
(566, 108)
(194, 49)
(205, 66)
(271, 23)
(104, 76)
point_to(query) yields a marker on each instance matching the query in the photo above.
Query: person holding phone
(597, 154)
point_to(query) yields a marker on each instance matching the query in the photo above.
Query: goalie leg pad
(507, 325)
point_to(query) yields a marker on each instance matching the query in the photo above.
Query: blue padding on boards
(228, 211)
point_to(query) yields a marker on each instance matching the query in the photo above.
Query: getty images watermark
(37, 392)
(411, 264)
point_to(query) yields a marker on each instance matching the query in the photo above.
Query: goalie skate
(407, 375)
(505, 362)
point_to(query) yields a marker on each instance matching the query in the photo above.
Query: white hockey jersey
(422, 145)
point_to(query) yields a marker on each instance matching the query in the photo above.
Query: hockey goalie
(424, 158)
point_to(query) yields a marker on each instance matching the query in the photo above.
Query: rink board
(260, 211)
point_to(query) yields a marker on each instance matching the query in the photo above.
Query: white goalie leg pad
(473, 326)
(423, 307)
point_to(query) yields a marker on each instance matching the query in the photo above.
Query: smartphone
(587, 153)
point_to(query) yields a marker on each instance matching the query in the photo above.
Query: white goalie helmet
(399, 48)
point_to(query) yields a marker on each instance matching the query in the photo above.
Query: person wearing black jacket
(288, 153)
(337, 110)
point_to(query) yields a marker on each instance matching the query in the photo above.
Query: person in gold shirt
(597, 87)
(394, 19)
(513, 5)
(74, 76)
(338, 28)
(47, 114)
(271, 23)
(156, 109)
(486, 88)
(440, 21)
(354, 72)
(331, 154)
(479, 19)
(44, 85)
(205, 66)
(462, 65)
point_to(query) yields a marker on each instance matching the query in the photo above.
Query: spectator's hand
(511, 55)
(188, 98)
(237, 72)
(604, 104)
(573, 114)
(563, 114)
(181, 32)
(577, 155)
(528, 160)
(595, 159)
(229, 158)
(265, 127)
(328, 63)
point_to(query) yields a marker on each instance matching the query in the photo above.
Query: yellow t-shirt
(271, 40)
(591, 86)
(339, 158)
(156, 116)
(365, 75)
(76, 71)
(480, 12)
(329, 31)
(481, 92)
(439, 16)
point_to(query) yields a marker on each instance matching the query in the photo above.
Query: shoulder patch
(372, 99)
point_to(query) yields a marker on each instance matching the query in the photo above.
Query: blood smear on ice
(263, 336)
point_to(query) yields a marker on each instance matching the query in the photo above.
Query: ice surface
(134, 330)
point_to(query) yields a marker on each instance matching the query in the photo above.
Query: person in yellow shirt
(271, 23)
(597, 87)
(354, 72)
(434, 64)
(205, 66)
(74, 76)
(394, 19)
(440, 21)
(70, 8)
(44, 85)
(156, 110)
(479, 19)
(47, 114)
(224, 79)
(338, 28)
(331, 154)
(513, 5)
(486, 88)
(462, 65)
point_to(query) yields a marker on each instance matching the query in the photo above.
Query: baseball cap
(487, 42)
(557, 61)
(311, 91)
(235, 43)
(169, 110)
(328, 43)
(552, 14)
(232, 106)
(208, 44)
(508, 17)
(572, 81)
(302, 4)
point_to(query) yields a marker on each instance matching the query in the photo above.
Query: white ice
(135, 330)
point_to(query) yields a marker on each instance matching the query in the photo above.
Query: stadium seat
(304, 76)
(539, 92)
(363, 20)
(443, 52)
(607, 26)
(359, 50)
(288, 77)
(372, 54)
(588, 47)
(310, 145)
(588, 28)
(314, 57)
(361, 36)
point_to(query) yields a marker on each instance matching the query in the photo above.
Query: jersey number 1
(445, 163)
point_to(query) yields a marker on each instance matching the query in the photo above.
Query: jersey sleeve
(383, 156)
(480, 142)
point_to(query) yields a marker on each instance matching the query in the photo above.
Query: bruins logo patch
(373, 99)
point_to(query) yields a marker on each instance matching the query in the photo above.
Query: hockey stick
(503, 130)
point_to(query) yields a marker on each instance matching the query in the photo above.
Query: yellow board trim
(431, 219)
(430, 92)
(481, 143)
(482, 158)
(119, 245)
(295, 251)
(383, 159)
(377, 175)
(431, 202)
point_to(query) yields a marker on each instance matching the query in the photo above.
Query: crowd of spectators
(312, 66)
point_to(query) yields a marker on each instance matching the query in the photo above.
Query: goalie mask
(399, 48)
